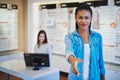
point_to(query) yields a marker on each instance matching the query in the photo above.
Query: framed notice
(8, 27)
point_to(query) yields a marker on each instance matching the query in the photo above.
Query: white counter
(17, 68)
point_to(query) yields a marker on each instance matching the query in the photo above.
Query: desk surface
(18, 68)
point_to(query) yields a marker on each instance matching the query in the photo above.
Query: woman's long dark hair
(83, 6)
(45, 41)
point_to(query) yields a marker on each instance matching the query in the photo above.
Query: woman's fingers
(75, 70)
(79, 60)
(74, 65)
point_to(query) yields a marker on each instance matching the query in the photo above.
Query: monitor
(37, 60)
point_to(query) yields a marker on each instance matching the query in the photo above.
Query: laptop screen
(37, 59)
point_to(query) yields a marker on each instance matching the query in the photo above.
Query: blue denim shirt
(75, 46)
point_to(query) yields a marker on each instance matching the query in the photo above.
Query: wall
(25, 24)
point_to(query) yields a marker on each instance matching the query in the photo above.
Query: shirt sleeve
(49, 49)
(69, 47)
(101, 61)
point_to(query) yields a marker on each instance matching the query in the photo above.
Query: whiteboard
(8, 27)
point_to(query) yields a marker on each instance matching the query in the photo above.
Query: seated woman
(42, 45)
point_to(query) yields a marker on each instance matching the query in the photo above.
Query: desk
(17, 68)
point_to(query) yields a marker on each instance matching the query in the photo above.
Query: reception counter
(17, 67)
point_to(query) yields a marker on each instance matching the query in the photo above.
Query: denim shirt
(75, 47)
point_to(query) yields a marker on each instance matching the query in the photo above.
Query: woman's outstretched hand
(74, 62)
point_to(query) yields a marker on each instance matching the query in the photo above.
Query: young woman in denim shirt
(84, 48)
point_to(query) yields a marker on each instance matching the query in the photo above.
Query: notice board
(8, 27)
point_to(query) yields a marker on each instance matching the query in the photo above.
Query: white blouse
(86, 61)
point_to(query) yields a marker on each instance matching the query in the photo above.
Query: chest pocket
(76, 42)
